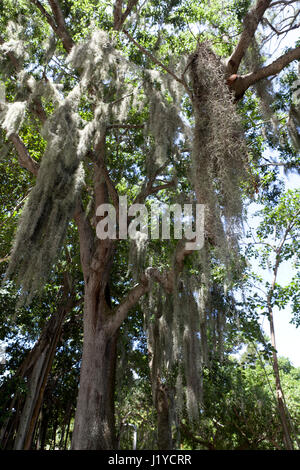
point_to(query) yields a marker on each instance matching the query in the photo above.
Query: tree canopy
(115, 327)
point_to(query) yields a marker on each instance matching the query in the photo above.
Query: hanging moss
(219, 151)
(51, 203)
(12, 116)
(294, 125)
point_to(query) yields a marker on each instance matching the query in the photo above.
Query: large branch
(274, 68)
(101, 172)
(86, 237)
(167, 279)
(35, 105)
(157, 62)
(251, 23)
(62, 30)
(57, 23)
(120, 16)
(241, 83)
(13, 59)
(25, 160)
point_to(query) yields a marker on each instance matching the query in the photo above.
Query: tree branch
(166, 279)
(57, 23)
(251, 22)
(119, 16)
(86, 237)
(241, 83)
(24, 158)
(62, 30)
(274, 68)
(157, 62)
(130, 301)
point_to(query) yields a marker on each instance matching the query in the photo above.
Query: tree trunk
(34, 384)
(94, 419)
(164, 432)
(279, 392)
(68, 429)
(43, 356)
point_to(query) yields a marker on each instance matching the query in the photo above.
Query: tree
(278, 240)
(103, 87)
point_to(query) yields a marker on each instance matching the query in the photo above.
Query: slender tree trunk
(43, 431)
(34, 385)
(279, 392)
(94, 419)
(38, 379)
(68, 428)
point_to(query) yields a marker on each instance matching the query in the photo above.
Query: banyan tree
(91, 94)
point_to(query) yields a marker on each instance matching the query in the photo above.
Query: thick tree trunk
(94, 419)
(164, 431)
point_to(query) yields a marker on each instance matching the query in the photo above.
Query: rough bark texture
(94, 419)
(164, 429)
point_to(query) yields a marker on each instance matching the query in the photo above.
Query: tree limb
(241, 83)
(251, 22)
(62, 30)
(274, 68)
(86, 237)
(119, 16)
(157, 62)
(128, 302)
(57, 23)
(25, 160)
(166, 279)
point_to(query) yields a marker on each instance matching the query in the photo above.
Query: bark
(40, 363)
(94, 419)
(279, 392)
(251, 22)
(164, 429)
(282, 410)
(94, 427)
